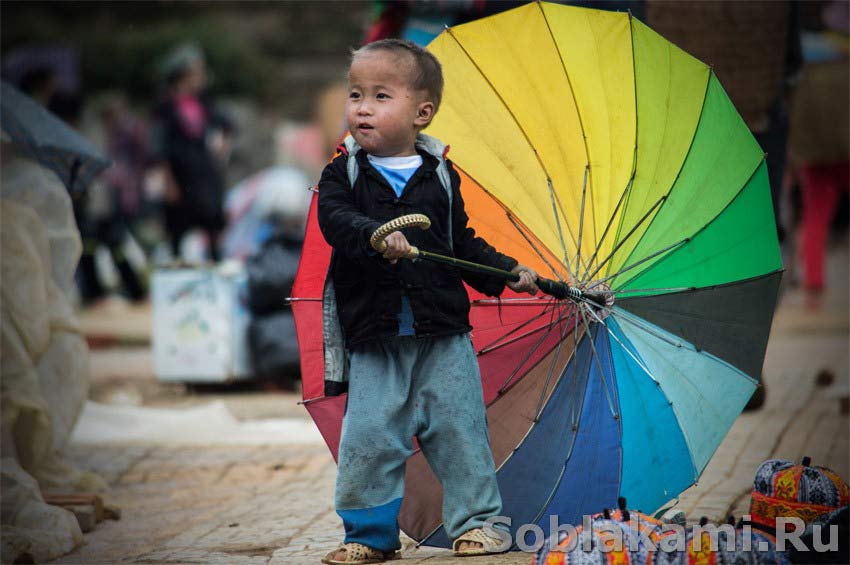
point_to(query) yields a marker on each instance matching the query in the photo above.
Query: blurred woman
(191, 140)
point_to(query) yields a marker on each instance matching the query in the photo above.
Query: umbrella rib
(527, 140)
(625, 239)
(635, 264)
(534, 247)
(635, 152)
(703, 228)
(573, 419)
(539, 408)
(652, 290)
(598, 364)
(528, 354)
(531, 351)
(502, 100)
(561, 232)
(578, 399)
(637, 322)
(588, 171)
(495, 343)
(661, 388)
(610, 221)
(498, 344)
(684, 160)
(674, 408)
(721, 211)
(626, 349)
(581, 217)
(507, 301)
(554, 196)
(515, 223)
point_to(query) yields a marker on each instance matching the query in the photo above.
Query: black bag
(274, 345)
(271, 273)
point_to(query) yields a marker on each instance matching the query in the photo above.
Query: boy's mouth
(364, 126)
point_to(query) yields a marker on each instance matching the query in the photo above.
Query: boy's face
(384, 113)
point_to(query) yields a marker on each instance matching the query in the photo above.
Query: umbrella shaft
(467, 265)
(556, 289)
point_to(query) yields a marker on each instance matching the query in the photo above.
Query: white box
(200, 324)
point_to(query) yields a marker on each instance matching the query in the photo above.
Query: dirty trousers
(398, 388)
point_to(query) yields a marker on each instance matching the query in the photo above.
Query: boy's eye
(382, 96)
(354, 95)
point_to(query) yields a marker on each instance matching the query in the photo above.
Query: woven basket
(745, 43)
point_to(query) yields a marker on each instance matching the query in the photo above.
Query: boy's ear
(424, 114)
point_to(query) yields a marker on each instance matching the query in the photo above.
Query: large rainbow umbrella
(597, 152)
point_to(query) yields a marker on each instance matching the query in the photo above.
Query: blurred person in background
(191, 141)
(820, 136)
(119, 194)
(97, 211)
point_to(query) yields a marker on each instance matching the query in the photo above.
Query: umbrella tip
(703, 521)
(807, 461)
(730, 520)
(621, 503)
(606, 514)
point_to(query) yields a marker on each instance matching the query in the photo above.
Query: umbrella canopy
(595, 151)
(49, 140)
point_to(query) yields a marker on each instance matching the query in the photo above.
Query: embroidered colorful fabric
(613, 539)
(784, 489)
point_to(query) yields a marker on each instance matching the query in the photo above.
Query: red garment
(822, 187)
(389, 23)
(192, 116)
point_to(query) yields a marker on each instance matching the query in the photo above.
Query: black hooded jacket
(368, 288)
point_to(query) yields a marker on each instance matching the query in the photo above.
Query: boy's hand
(527, 280)
(397, 246)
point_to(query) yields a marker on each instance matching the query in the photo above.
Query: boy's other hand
(397, 246)
(527, 280)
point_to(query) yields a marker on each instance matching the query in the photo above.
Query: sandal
(489, 544)
(359, 554)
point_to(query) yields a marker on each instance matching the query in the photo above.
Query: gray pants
(404, 387)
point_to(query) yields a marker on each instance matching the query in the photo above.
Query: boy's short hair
(428, 73)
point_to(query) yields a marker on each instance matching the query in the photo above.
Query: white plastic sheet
(210, 424)
(44, 361)
(31, 527)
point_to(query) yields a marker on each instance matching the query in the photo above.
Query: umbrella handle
(409, 221)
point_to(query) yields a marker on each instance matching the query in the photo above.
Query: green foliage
(131, 59)
(278, 54)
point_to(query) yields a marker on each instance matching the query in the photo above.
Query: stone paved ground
(273, 504)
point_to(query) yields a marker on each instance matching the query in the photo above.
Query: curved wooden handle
(409, 221)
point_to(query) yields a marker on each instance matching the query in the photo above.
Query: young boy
(413, 371)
